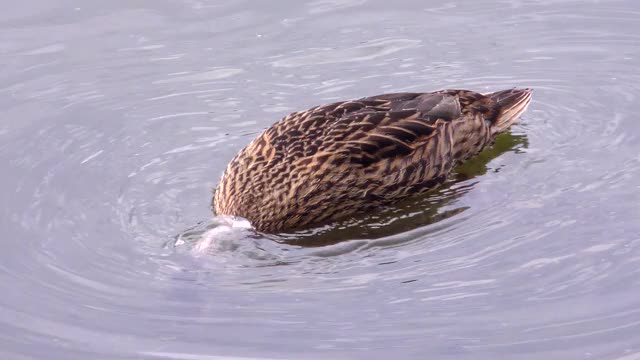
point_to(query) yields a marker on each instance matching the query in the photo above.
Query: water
(118, 118)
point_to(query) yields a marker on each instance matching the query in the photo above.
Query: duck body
(332, 161)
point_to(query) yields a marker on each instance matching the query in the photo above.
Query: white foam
(223, 231)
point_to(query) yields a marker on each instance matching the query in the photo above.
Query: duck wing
(368, 129)
(396, 127)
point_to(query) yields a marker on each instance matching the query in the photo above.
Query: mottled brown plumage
(332, 161)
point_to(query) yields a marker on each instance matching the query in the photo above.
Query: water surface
(119, 117)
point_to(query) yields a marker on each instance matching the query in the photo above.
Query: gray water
(117, 119)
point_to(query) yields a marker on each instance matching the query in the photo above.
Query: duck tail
(510, 104)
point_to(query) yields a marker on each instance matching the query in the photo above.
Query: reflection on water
(119, 119)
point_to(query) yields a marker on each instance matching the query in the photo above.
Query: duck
(334, 161)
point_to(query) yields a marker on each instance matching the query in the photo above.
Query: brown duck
(336, 160)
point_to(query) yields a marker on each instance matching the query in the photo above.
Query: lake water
(118, 118)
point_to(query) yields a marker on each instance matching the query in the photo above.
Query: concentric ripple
(119, 119)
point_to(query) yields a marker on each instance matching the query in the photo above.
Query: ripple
(369, 51)
(109, 157)
(215, 74)
(323, 6)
